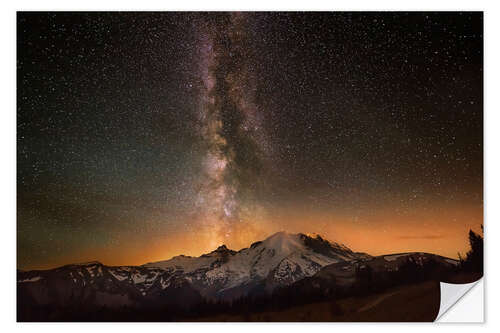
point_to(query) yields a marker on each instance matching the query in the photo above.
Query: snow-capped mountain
(277, 268)
(279, 260)
(283, 258)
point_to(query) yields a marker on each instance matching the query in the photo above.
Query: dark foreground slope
(417, 302)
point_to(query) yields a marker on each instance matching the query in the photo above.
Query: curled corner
(451, 293)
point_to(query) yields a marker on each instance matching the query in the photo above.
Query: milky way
(229, 125)
(146, 135)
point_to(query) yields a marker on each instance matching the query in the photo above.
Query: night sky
(141, 136)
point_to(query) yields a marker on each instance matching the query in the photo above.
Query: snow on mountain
(281, 249)
(189, 264)
(279, 260)
(283, 258)
(185, 263)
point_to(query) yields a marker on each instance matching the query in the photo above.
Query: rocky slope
(279, 261)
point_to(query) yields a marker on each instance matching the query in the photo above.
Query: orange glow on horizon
(443, 232)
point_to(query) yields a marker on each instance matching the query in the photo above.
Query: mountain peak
(88, 263)
(279, 235)
(221, 248)
(313, 235)
(283, 242)
(284, 234)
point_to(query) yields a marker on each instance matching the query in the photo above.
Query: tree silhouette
(473, 261)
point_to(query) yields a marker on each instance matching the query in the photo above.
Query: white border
(8, 144)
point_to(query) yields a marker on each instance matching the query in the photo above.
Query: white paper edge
(461, 303)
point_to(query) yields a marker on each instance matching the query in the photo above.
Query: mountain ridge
(223, 247)
(280, 261)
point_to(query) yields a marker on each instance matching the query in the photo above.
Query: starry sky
(141, 136)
